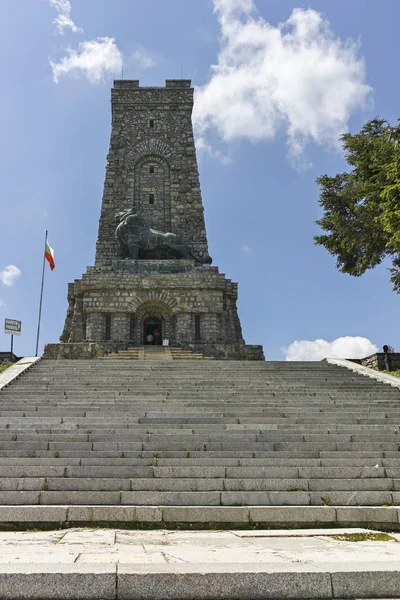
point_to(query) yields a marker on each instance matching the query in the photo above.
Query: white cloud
(143, 59)
(63, 18)
(246, 248)
(343, 347)
(296, 77)
(94, 59)
(9, 275)
(203, 146)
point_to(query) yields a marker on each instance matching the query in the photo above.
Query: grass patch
(394, 373)
(4, 366)
(364, 537)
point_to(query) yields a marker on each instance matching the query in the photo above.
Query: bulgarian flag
(49, 254)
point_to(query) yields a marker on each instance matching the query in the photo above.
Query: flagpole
(41, 296)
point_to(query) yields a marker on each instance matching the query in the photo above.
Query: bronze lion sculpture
(138, 240)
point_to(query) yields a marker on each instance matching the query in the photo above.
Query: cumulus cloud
(142, 59)
(9, 275)
(93, 59)
(63, 19)
(296, 77)
(343, 347)
(202, 145)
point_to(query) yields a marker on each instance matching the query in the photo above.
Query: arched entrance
(150, 325)
(152, 314)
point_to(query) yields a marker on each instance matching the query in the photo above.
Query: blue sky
(293, 89)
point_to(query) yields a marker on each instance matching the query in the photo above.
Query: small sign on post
(12, 327)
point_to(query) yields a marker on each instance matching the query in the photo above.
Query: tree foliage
(362, 208)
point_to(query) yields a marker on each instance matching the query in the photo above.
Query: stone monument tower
(152, 268)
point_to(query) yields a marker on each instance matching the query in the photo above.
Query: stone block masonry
(152, 171)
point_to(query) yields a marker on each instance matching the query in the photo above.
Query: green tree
(362, 208)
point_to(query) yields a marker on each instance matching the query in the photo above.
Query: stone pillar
(77, 323)
(64, 337)
(95, 327)
(184, 327)
(168, 329)
(120, 325)
(210, 328)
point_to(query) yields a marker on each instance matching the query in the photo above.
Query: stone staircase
(156, 353)
(199, 443)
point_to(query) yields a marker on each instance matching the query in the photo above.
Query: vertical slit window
(197, 336)
(131, 327)
(151, 123)
(151, 169)
(151, 198)
(107, 333)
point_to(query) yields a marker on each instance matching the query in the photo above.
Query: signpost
(12, 327)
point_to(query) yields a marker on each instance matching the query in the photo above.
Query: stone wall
(382, 361)
(91, 350)
(112, 304)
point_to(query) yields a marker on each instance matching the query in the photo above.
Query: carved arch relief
(154, 298)
(157, 148)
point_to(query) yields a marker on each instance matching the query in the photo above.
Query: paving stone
(216, 581)
(63, 581)
(265, 498)
(32, 514)
(364, 514)
(81, 497)
(171, 498)
(368, 582)
(292, 514)
(205, 514)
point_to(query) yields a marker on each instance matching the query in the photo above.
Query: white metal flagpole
(41, 296)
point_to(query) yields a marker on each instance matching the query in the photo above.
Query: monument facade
(152, 268)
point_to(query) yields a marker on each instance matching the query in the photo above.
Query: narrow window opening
(151, 123)
(131, 327)
(107, 333)
(151, 198)
(151, 169)
(197, 328)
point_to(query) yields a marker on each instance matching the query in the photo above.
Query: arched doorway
(150, 324)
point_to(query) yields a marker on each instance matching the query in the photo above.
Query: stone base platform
(122, 564)
(88, 350)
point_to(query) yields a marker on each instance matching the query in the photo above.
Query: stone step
(194, 472)
(266, 517)
(321, 486)
(201, 498)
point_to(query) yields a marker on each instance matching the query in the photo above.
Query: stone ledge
(201, 517)
(58, 581)
(362, 370)
(17, 369)
(199, 581)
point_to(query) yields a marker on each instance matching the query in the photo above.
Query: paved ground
(116, 546)
(115, 564)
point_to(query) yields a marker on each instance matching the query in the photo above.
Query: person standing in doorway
(157, 337)
(149, 339)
